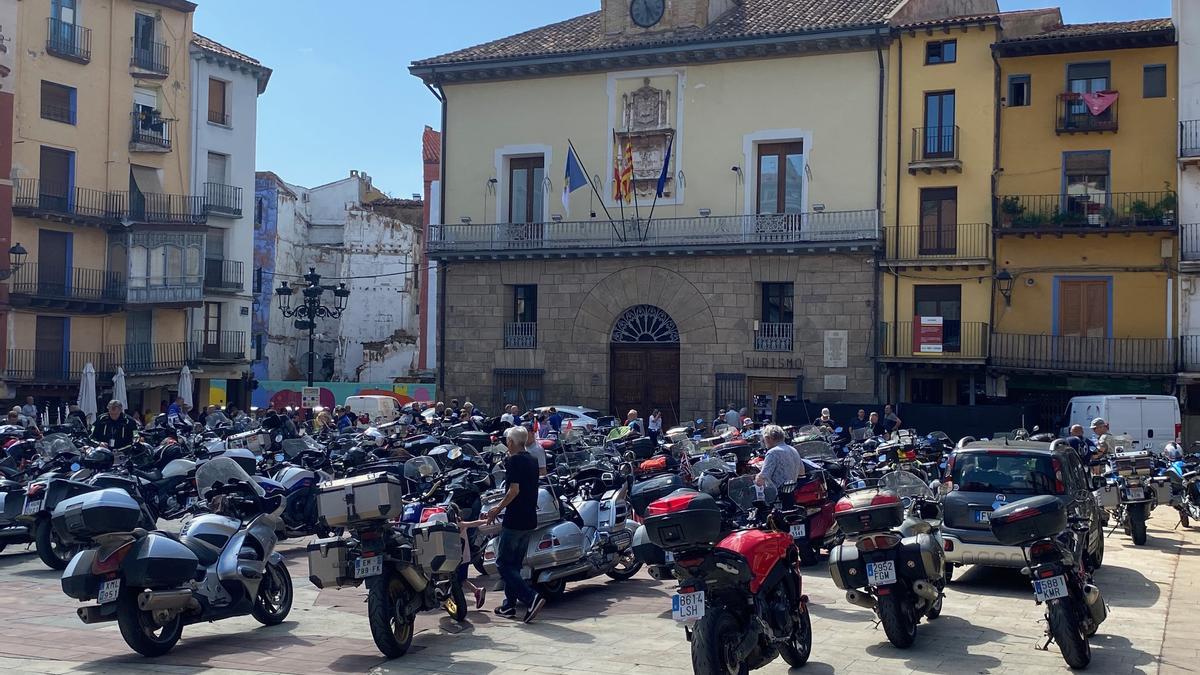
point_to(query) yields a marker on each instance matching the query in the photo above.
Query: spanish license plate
(32, 507)
(799, 531)
(687, 606)
(983, 516)
(1135, 493)
(368, 567)
(881, 573)
(109, 590)
(1049, 589)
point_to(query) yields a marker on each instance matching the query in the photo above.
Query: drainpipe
(875, 311)
(995, 183)
(444, 268)
(899, 145)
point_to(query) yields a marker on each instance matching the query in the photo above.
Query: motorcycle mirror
(278, 438)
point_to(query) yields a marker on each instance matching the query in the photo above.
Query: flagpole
(579, 159)
(633, 183)
(617, 178)
(666, 168)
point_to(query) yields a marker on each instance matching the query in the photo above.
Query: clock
(646, 13)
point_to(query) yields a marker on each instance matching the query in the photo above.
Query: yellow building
(1085, 207)
(936, 267)
(101, 197)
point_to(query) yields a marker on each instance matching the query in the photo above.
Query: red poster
(927, 335)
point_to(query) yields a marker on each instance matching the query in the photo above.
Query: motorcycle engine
(779, 613)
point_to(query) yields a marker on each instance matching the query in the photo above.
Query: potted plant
(1010, 210)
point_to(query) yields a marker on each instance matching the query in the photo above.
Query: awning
(147, 179)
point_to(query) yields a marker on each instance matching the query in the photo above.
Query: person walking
(782, 464)
(520, 519)
(732, 418)
(890, 418)
(1105, 444)
(654, 426)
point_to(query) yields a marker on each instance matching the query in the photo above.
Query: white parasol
(87, 392)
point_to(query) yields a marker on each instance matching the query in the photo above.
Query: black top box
(1028, 520)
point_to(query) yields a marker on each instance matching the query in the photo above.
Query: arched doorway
(644, 364)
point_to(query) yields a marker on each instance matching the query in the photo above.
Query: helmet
(710, 485)
(372, 438)
(1173, 451)
(99, 458)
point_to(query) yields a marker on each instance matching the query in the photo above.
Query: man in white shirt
(732, 418)
(508, 414)
(535, 448)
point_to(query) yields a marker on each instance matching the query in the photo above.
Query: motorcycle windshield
(292, 447)
(574, 460)
(618, 434)
(419, 468)
(814, 450)
(714, 464)
(905, 484)
(743, 492)
(223, 471)
(55, 444)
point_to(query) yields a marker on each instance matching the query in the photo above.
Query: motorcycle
(1128, 481)
(1181, 477)
(1050, 540)
(222, 564)
(740, 594)
(892, 560)
(295, 473)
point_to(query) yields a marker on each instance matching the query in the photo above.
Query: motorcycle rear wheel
(1074, 646)
(274, 601)
(797, 650)
(714, 642)
(139, 629)
(898, 621)
(1137, 524)
(391, 628)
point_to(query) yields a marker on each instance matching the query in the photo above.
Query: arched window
(645, 324)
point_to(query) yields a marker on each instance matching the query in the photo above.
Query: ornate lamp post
(310, 308)
(16, 258)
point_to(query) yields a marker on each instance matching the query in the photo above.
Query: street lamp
(310, 309)
(16, 258)
(1004, 282)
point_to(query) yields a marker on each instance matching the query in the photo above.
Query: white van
(1150, 421)
(379, 409)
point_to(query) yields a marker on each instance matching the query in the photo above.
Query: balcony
(1189, 141)
(68, 40)
(959, 342)
(45, 366)
(773, 337)
(702, 235)
(167, 291)
(149, 59)
(520, 335)
(1084, 355)
(1085, 213)
(1074, 117)
(223, 276)
(153, 208)
(51, 285)
(219, 346)
(225, 200)
(151, 358)
(41, 199)
(1189, 243)
(935, 149)
(151, 133)
(963, 243)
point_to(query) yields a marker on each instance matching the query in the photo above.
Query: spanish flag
(627, 173)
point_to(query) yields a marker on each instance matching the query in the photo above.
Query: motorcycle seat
(203, 554)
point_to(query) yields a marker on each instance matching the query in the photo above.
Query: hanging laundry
(1099, 101)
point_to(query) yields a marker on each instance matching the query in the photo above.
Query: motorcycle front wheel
(797, 649)
(50, 549)
(714, 644)
(1064, 629)
(141, 632)
(274, 600)
(898, 621)
(391, 627)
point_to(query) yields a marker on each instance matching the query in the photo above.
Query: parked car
(379, 409)
(1149, 422)
(580, 417)
(987, 475)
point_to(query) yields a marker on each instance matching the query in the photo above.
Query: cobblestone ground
(989, 625)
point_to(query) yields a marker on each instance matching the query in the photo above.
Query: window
(525, 304)
(777, 302)
(1154, 81)
(927, 390)
(526, 187)
(1004, 473)
(1083, 308)
(781, 177)
(258, 280)
(259, 342)
(1086, 78)
(258, 213)
(1019, 90)
(522, 386)
(1085, 177)
(943, 51)
(217, 107)
(218, 168)
(143, 32)
(58, 102)
(56, 179)
(938, 231)
(944, 302)
(939, 125)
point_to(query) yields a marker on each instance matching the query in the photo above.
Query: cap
(16, 410)
(1098, 421)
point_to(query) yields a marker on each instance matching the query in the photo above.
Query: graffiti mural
(279, 393)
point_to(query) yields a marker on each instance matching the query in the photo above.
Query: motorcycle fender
(846, 567)
(921, 557)
(565, 546)
(157, 561)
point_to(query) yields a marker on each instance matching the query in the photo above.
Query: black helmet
(98, 459)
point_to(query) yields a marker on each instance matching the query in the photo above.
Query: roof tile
(1095, 29)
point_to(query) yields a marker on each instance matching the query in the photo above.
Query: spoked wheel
(456, 602)
(1065, 630)
(714, 645)
(141, 631)
(898, 621)
(53, 552)
(797, 650)
(626, 567)
(391, 627)
(274, 600)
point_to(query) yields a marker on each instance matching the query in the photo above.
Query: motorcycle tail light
(548, 541)
(427, 514)
(689, 563)
(368, 534)
(112, 561)
(35, 489)
(866, 544)
(1040, 549)
(1178, 431)
(669, 504)
(886, 541)
(844, 504)
(1059, 487)
(687, 589)
(948, 545)
(1046, 573)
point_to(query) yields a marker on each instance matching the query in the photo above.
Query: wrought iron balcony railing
(520, 335)
(152, 57)
(955, 242)
(1189, 138)
(223, 275)
(51, 284)
(219, 345)
(68, 40)
(1074, 116)
(956, 340)
(223, 199)
(934, 148)
(155, 208)
(1070, 354)
(1093, 210)
(183, 290)
(151, 357)
(54, 366)
(150, 129)
(773, 337)
(41, 198)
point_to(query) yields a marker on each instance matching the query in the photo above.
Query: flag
(627, 173)
(617, 194)
(574, 179)
(662, 177)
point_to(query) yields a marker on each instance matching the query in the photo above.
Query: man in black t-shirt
(115, 429)
(520, 519)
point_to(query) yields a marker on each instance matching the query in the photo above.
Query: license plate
(1049, 589)
(109, 590)
(33, 507)
(687, 606)
(1135, 493)
(881, 573)
(799, 531)
(983, 516)
(368, 567)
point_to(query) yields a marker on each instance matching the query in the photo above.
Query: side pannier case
(869, 510)
(374, 496)
(1028, 520)
(85, 516)
(437, 547)
(328, 563)
(846, 567)
(684, 519)
(921, 557)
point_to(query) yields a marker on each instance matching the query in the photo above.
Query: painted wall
(279, 393)
(1187, 31)
(264, 215)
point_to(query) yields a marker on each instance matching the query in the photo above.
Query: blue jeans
(510, 557)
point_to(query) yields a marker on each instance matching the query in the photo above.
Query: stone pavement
(990, 624)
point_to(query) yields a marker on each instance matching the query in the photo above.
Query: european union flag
(574, 179)
(662, 177)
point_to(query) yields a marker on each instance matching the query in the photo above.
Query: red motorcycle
(740, 593)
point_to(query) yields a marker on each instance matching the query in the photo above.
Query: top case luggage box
(869, 510)
(642, 448)
(684, 519)
(373, 496)
(1139, 463)
(95, 513)
(1028, 520)
(811, 491)
(648, 491)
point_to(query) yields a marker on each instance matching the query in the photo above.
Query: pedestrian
(826, 420)
(861, 421)
(347, 420)
(732, 418)
(1105, 444)
(115, 429)
(782, 464)
(324, 422)
(30, 408)
(520, 518)
(654, 426)
(533, 446)
(876, 425)
(440, 408)
(890, 419)
(508, 415)
(454, 407)
(555, 419)
(632, 421)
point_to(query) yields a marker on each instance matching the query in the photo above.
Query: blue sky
(341, 97)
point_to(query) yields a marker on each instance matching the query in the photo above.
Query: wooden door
(50, 355)
(54, 264)
(765, 394)
(643, 378)
(1082, 323)
(212, 328)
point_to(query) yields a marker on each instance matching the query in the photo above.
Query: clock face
(646, 13)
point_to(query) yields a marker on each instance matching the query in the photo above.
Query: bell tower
(636, 17)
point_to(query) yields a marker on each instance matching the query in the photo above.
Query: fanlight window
(645, 324)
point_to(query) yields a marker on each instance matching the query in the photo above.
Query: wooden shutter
(1096, 309)
(1083, 308)
(216, 101)
(1070, 308)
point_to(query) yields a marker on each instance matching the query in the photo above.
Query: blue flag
(574, 179)
(662, 177)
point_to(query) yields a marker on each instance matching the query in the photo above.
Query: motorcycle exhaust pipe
(860, 598)
(926, 590)
(414, 578)
(151, 601)
(92, 615)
